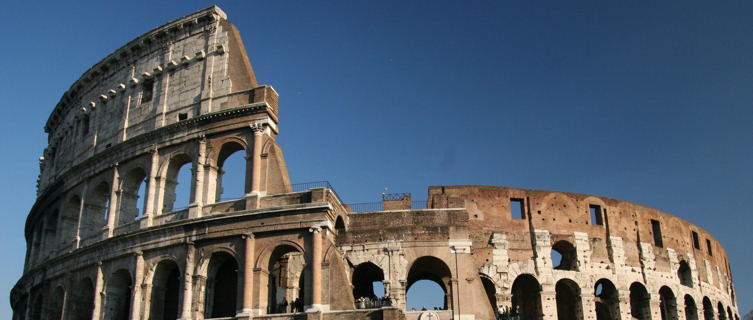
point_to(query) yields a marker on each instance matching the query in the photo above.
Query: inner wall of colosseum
(106, 238)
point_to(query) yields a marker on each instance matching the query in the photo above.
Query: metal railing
(303, 186)
(394, 196)
(377, 206)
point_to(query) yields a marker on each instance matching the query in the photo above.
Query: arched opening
(118, 296)
(54, 309)
(430, 270)
(683, 272)
(720, 310)
(134, 184)
(667, 304)
(708, 309)
(177, 193)
(231, 172)
(222, 286)
(729, 314)
(564, 256)
(491, 292)
(526, 297)
(96, 207)
(285, 286)
(81, 300)
(165, 291)
(69, 220)
(569, 306)
(691, 311)
(19, 310)
(639, 302)
(339, 225)
(606, 300)
(36, 307)
(364, 277)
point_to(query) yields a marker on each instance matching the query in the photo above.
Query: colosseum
(106, 240)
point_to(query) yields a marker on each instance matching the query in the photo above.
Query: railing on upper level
(303, 186)
(378, 206)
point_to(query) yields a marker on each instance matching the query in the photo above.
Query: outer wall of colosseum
(107, 240)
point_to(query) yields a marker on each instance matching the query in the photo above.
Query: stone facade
(184, 97)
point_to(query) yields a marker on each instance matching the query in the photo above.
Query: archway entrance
(639, 302)
(691, 311)
(431, 277)
(285, 287)
(569, 306)
(118, 296)
(526, 297)
(607, 300)
(81, 300)
(667, 304)
(165, 291)
(365, 275)
(491, 292)
(222, 286)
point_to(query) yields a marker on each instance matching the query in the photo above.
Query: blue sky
(639, 101)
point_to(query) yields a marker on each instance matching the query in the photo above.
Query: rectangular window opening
(182, 116)
(656, 228)
(696, 242)
(146, 94)
(596, 215)
(85, 126)
(517, 208)
(708, 246)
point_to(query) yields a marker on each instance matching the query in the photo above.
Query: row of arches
(165, 293)
(121, 199)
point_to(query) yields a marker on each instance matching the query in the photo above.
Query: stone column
(114, 198)
(151, 192)
(138, 274)
(194, 209)
(248, 276)
(81, 209)
(316, 270)
(185, 313)
(258, 129)
(98, 292)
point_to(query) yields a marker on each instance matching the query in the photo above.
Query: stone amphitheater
(105, 239)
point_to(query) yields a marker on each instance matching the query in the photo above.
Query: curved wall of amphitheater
(106, 240)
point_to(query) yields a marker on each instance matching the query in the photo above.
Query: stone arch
(81, 301)
(606, 300)
(165, 290)
(667, 304)
(567, 254)
(691, 311)
(639, 302)
(174, 166)
(340, 226)
(221, 295)
(490, 288)
(526, 297)
(729, 314)
(227, 148)
(364, 276)
(683, 272)
(132, 182)
(69, 219)
(50, 231)
(118, 290)
(96, 207)
(708, 309)
(54, 305)
(433, 269)
(720, 311)
(569, 302)
(35, 311)
(286, 277)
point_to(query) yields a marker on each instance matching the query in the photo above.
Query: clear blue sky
(640, 101)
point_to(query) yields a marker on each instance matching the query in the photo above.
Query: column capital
(247, 236)
(315, 230)
(257, 128)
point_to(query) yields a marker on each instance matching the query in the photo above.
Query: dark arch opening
(708, 309)
(339, 225)
(526, 297)
(491, 292)
(96, 207)
(231, 172)
(564, 256)
(177, 185)
(720, 310)
(691, 311)
(118, 296)
(667, 304)
(569, 305)
(639, 302)
(69, 220)
(286, 263)
(133, 184)
(364, 276)
(606, 300)
(222, 286)
(54, 309)
(81, 300)
(431, 269)
(50, 227)
(729, 314)
(683, 272)
(165, 291)
(36, 307)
